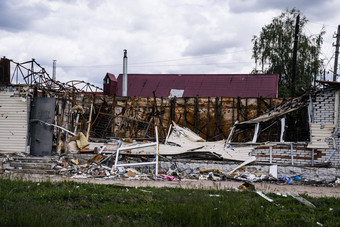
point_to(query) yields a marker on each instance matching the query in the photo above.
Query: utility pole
(296, 38)
(336, 53)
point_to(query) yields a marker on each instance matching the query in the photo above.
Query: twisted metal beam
(33, 74)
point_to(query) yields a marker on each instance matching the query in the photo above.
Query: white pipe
(57, 126)
(283, 123)
(257, 127)
(125, 80)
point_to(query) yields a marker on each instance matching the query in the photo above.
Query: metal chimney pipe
(125, 81)
(54, 74)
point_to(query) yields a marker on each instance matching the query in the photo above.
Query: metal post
(291, 153)
(157, 151)
(270, 154)
(313, 157)
(335, 74)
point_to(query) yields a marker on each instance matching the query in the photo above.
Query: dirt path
(312, 191)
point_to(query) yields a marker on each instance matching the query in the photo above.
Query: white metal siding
(13, 122)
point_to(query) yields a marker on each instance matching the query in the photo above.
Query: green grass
(75, 204)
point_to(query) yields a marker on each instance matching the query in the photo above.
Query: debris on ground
(247, 186)
(301, 199)
(101, 165)
(287, 180)
(266, 198)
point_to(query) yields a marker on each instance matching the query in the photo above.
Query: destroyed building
(41, 116)
(299, 132)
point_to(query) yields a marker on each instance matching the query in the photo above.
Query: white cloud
(170, 36)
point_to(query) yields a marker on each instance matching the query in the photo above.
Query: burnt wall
(135, 117)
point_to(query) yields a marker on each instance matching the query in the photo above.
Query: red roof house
(201, 85)
(109, 84)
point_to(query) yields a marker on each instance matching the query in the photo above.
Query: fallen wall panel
(13, 122)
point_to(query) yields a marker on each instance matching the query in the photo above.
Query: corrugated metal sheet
(202, 85)
(13, 122)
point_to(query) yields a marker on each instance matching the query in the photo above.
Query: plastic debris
(297, 178)
(287, 180)
(170, 178)
(214, 195)
(267, 198)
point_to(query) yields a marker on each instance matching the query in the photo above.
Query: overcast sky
(87, 37)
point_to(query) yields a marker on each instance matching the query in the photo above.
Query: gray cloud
(242, 6)
(313, 9)
(14, 16)
(204, 46)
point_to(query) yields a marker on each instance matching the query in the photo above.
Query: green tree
(273, 52)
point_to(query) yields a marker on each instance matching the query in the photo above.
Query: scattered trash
(81, 141)
(247, 186)
(337, 181)
(75, 161)
(267, 198)
(130, 174)
(318, 223)
(246, 162)
(287, 180)
(211, 176)
(330, 209)
(297, 178)
(214, 195)
(301, 199)
(170, 178)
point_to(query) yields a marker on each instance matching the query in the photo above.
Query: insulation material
(181, 142)
(320, 132)
(81, 141)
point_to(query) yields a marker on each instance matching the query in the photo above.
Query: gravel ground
(313, 191)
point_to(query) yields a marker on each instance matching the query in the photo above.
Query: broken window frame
(254, 127)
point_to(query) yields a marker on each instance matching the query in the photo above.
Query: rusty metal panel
(13, 122)
(42, 134)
